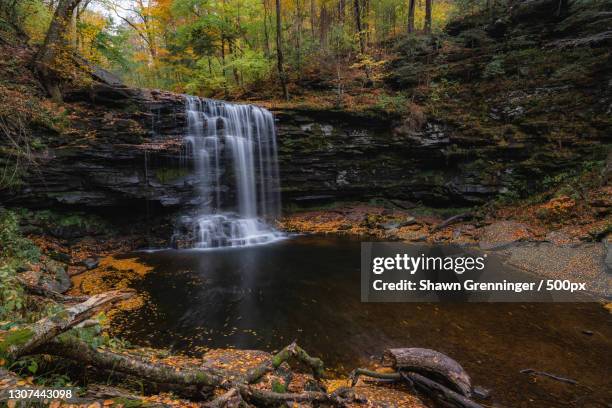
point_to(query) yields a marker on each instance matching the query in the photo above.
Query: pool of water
(308, 289)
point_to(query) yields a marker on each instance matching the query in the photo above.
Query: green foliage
(15, 248)
(278, 386)
(392, 103)
(495, 68)
(49, 219)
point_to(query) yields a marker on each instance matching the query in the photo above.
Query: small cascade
(232, 151)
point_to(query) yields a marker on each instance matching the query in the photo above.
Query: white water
(232, 144)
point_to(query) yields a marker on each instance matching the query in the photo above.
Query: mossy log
(70, 347)
(23, 341)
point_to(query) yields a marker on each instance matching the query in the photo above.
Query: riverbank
(558, 238)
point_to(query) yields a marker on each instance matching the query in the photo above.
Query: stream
(307, 289)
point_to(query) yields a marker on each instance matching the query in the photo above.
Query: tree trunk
(411, 7)
(428, 5)
(279, 50)
(55, 42)
(266, 33)
(313, 12)
(358, 26)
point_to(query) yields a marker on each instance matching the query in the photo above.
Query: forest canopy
(231, 47)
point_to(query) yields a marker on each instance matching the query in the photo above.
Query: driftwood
(33, 336)
(427, 371)
(431, 363)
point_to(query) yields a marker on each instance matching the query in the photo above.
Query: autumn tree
(50, 54)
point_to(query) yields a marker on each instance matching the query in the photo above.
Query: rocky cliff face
(511, 105)
(132, 153)
(126, 150)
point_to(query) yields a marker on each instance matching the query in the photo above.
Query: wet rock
(502, 234)
(91, 263)
(398, 224)
(56, 278)
(60, 256)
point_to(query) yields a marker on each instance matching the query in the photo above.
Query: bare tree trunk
(55, 41)
(428, 5)
(411, 7)
(279, 50)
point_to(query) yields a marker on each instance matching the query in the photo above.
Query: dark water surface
(307, 289)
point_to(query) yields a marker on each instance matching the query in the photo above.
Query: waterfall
(231, 145)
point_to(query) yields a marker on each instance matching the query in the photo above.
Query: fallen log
(23, 341)
(431, 363)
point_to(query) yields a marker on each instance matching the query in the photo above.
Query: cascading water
(235, 145)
